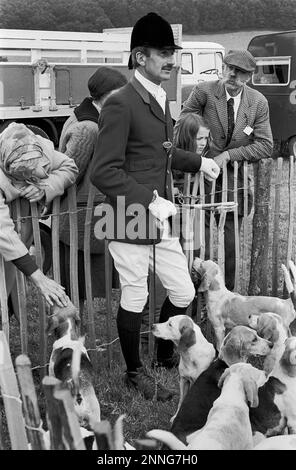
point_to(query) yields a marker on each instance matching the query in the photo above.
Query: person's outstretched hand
(51, 290)
(210, 168)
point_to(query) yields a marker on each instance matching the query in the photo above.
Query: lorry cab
(275, 78)
(200, 61)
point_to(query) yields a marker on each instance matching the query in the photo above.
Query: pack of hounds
(225, 402)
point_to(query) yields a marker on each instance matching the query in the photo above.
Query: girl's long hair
(186, 129)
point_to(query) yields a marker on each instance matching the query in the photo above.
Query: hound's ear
(208, 281)
(231, 349)
(251, 391)
(77, 317)
(267, 328)
(223, 377)
(52, 324)
(188, 337)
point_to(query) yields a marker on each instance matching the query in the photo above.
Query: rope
(32, 428)
(11, 397)
(99, 348)
(179, 196)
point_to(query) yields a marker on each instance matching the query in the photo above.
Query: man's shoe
(147, 385)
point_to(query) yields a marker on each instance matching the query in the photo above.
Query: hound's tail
(167, 438)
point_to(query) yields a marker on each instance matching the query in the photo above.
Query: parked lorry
(275, 77)
(44, 74)
(200, 61)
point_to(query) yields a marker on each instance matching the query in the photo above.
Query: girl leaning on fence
(190, 133)
(31, 171)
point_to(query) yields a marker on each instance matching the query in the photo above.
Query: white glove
(161, 208)
(210, 168)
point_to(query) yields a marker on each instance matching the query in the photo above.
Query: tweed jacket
(130, 160)
(78, 140)
(63, 174)
(209, 100)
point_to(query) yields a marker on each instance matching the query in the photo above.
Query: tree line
(196, 16)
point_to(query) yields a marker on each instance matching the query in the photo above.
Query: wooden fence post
(54, 420)
(291, 209)
(73, 245)
(236, 231)
(3, 300)
(55, 229)
(11, 399)
(275, 243)
(30, 404)
(108, 283)
(21, 285)
(88, 278)
(41, 301)
(259, 251)
(71, 429)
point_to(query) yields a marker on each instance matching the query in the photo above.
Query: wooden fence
(23, 418)
(265, 241)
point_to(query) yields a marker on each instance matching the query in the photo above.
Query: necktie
(230, 114)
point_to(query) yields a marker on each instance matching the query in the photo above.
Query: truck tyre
(38, 131)
(292, 146)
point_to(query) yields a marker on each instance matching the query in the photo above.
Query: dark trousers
(229, 245)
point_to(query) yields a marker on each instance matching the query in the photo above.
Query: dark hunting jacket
(130, 159)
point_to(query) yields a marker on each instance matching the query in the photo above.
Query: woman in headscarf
(31, 170)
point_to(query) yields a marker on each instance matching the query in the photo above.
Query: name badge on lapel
(248, 130)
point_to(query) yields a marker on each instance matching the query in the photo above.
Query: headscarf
(20, 153)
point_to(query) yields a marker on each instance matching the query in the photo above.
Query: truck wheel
(292, 146)
(38, 131)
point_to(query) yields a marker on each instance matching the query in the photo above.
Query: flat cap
(241, 59)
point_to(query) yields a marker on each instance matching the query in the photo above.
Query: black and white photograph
(147, 230)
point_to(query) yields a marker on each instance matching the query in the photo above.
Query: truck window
(15, 55)
(187, 63)
(272, 71)
(219, 62)
(206, 62)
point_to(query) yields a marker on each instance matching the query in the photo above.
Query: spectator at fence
(238, 117)
(133, 159)
(190, 133)
(31, 171)
(78, 140)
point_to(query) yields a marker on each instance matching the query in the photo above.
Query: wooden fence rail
(272, 178)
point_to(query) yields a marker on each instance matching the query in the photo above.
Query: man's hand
(51, 290)
(161, 208)
(210, 168)
(222, 158)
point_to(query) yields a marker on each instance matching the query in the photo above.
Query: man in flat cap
(132, 166)
(238, 118)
